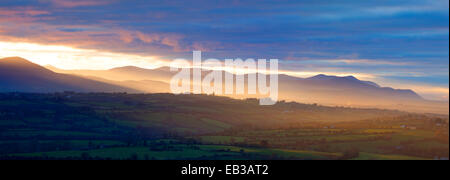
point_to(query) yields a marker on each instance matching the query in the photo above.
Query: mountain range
(17, 74)
(20, 75)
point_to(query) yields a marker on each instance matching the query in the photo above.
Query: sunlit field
(138, 126)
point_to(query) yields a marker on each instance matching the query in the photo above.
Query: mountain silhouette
(322, 89)
(20, 75)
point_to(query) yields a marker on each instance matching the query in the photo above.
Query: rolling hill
(20, 75)
(322, 89)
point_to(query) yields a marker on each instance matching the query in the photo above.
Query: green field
(163, 126)
(185, 152)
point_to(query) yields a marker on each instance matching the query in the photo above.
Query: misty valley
(123, 126)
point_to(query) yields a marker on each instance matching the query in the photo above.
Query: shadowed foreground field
(163, 126)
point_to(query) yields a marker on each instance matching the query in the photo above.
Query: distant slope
(324, 82)
(20, 75)
(351, 83)
(346, 90)
(127, 73)
(148, 81)
(322, 89)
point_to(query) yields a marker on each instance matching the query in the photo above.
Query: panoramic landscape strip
(224, 88)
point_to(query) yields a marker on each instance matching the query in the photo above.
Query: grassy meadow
(172, 127)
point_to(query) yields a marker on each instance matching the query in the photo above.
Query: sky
(402, 43)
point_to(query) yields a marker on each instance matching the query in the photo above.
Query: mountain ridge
(320, 78)
(316, 77)
(322, 89)
(20, 75)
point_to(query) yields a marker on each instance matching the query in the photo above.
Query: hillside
(165, 126)
(20, 75)
(322, 89)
